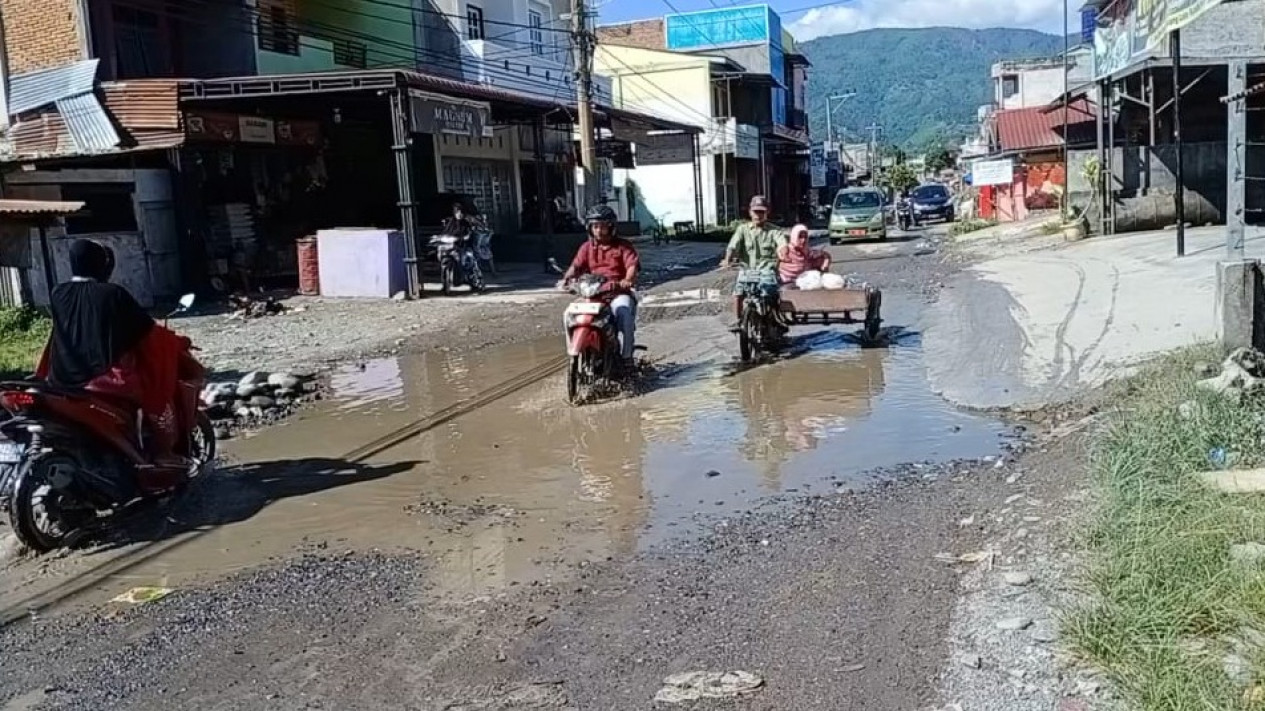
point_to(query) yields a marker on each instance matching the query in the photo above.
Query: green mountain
(921, 85)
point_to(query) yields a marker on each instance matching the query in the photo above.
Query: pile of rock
(258, 398)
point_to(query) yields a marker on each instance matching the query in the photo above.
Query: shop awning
(37, 210)
(505, 103)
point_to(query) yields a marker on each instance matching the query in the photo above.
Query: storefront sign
(746, 141)
(992, 172)
(236, 128)
(665, 149)
(1127, 31)
(253, 129)
(817, 165)
(619, 153)
(435, 116)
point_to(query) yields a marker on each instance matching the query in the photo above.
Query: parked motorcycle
(762, 327)
(483, 244)
(458, 263)
(592, 340)
(72, 460)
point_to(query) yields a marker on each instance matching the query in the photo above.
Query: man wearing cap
(755, 245)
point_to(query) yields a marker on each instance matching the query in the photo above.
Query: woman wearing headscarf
(104, 342)
(796, 257)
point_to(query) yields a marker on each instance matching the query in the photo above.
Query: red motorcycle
(71, 459)
(592, 340)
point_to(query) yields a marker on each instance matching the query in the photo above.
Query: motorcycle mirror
(186, 302)
(553, 264)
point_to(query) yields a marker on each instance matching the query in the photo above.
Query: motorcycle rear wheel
(31, 493)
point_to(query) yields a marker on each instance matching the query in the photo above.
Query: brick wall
(41, 33)
(647, 34)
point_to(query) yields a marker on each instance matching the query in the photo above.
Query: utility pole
(875, 160)
(582, 48)
(830, 110)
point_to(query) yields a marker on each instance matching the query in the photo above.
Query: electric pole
(582, 48)
(876, 160)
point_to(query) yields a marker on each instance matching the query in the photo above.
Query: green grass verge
(1167, 604)
(23, 333)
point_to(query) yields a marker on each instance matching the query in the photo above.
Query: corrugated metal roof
(38, 207)
(89, 126)
(1040, 128)
(33, 90)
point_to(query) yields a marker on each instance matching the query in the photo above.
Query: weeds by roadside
(973, 224)
(23, 332)
(1174, 621)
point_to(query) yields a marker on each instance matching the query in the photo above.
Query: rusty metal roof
(33, 90)
(38, 207)
(146, 112)
(1039, 128)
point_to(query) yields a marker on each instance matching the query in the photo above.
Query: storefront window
(107, 208)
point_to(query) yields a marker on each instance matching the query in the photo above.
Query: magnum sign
(435, 116)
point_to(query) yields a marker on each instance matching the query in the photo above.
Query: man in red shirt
(616, 259)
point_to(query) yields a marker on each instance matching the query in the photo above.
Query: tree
(899, 178)
(940, 159)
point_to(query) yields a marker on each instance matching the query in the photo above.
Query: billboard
(1128, 31)
(751, 24)
(992, 172)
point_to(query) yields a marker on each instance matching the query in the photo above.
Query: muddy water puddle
(417, 453)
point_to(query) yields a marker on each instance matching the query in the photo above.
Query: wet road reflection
(504, 493)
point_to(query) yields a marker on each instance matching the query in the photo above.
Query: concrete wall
(673, 86)
(1235, 28)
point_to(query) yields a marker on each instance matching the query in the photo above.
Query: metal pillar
(1175, 48)
(1100, 190)
(50, 267)
(543, 199)
(1236, 160)
(698, 184)
(1109, 167)
(1150, 110)
(402, 149)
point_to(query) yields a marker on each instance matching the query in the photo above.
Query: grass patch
(23, 333)
(1167, 603)
(969, 225)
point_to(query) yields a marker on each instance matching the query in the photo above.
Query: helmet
(600, 213)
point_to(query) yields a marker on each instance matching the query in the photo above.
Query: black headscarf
(94, 322)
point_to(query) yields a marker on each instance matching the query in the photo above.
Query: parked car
(858, 213)
(931, 201)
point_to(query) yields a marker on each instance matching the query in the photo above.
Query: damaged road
(791, 522)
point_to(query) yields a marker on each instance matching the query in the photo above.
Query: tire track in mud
(70, 589)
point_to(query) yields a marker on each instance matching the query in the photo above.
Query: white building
(1022, 84)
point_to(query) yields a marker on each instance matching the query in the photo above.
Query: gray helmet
(600, 213)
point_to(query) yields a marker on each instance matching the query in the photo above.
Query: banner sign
(435, 116)
(665, 149)
(1128, 31)
(817, 165)
(238, 128)
(992, 172)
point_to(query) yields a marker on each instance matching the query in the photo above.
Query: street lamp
(830, 134)
(1067, 181)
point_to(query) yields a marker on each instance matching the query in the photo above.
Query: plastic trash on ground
(138, 596)
(808, 281)
(692, 686)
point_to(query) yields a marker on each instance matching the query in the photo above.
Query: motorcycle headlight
(588, 288)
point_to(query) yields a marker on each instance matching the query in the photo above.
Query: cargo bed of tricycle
(827, 306)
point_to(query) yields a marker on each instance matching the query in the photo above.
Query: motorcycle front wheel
(581, 377)
(447, 276)
(202, 445)
(42, 517)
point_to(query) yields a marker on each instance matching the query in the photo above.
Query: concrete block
(1242, 481)
(1239, 310)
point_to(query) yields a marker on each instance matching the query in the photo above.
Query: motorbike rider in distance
(614, 258)
(458, 225)
(104, 342)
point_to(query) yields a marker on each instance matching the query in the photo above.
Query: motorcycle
(762, 327)
(905, 213)
(592, 341)
(458, 263)
(483, 245)
(72, 460)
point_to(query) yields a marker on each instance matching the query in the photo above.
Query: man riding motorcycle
(615, 258)
(104, 342)
(755, 245)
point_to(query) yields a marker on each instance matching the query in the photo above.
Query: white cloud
(975, 14)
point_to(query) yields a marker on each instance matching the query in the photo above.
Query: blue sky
(814, 18)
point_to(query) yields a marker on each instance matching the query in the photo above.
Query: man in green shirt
(754, 246)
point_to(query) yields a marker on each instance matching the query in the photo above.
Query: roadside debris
(257, 398)
(138, 596)
(1242, 372)
(692, 686)
(245, 307)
